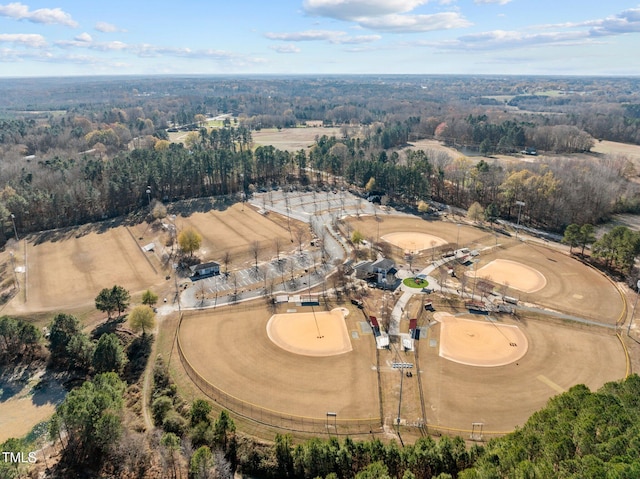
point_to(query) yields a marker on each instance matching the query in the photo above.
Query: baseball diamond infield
(480, 342)
(513, 274)
(413, 241)
(322, 333)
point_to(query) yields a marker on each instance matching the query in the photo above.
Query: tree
(571, 236)
(109, 355)
(63, 328)
(587, 236)
(142, 317)
(201, 464)
(172, 443)
(223, 430)
(158, 211)
(200, 410)
(113, 299)
(149, 298)
(475, 212)
(189, 241)
(80, 351)
(91, 417)
(371, 184)
(357, 238)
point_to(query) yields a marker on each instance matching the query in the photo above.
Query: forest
(76, 152)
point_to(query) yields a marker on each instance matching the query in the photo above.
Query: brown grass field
(292, 139)
(230, 348)
(559, 357)
(235, 229)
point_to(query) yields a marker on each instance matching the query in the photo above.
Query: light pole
(458, 237)
(520, 205)
(148, 195)
(15, 231)
(633, 311)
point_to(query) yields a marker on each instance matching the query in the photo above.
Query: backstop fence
(331, 424)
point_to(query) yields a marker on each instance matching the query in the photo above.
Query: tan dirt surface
(413, 241)
(478, 342)
(322, 333)
(231, 349)
(513, 274)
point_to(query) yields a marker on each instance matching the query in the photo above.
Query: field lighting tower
(633, 311)
(520, 205)
(148, 191)
(13, 221)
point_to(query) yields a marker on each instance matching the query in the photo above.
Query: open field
(231, 349)
(237, 228)
(70, 272)
(559, 356)
(292, 139)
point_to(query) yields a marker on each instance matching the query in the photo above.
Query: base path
(482, 343)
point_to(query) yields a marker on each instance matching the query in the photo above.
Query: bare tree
(226, 260)
(300, 238)
(278, 246)
(255, 249)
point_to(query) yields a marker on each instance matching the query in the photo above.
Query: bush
(159, 409)
(175, 423)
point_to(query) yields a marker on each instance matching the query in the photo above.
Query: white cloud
(107, 27)
(355, 9)
(331, 36)
(416, 23)
(48, 16)
(285, 48)
(485, 2)
(32, 40)
(387, 15)
(84, 37)
(626, 22)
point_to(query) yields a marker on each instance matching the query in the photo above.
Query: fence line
(331, 424)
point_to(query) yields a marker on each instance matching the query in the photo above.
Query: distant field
(292, 139)
(615, 148)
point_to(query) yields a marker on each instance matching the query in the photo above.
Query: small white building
(205, 269)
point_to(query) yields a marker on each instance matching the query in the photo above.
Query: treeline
(58, 192)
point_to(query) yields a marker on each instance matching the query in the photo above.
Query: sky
(140, 37)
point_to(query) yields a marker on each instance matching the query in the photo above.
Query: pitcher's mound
(480, 343)
(311, 334)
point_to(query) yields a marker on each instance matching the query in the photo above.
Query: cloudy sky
(568, 37)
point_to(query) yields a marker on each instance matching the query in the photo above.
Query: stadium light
(520, 205)
(15, 231)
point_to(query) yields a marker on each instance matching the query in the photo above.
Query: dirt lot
(231, 349)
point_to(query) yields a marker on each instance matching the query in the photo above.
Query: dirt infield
(413, 242)
(512, 274)
(480, 342)
(231, 349)
(558, 357)
(322, 333)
